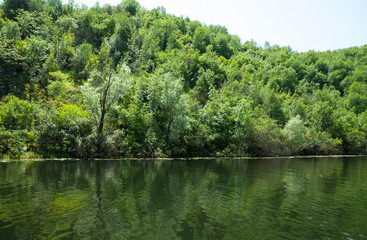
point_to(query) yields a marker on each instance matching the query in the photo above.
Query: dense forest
(122, 81)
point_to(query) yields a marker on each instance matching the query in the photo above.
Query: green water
(310, 198)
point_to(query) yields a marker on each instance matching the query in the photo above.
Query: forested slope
(122, 81)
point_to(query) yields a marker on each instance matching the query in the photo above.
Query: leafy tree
(57, 8)
(17, 124)
(203, 85)
(268, 139)
(93, 28)
(11, 31)
(17, 114)
(65, 50)
(295, 131)
(64, 131)
(104, 89)
(67, 23)
(201, 39)
(61, 89)
(120, 40)
(356, 97)
(12, 6)
(272, 104)
(12, 143)
(36, 23)
(81, 58)
(243, 128)
(222, 45)
(320, 143)
(131, 6)
(167, 106)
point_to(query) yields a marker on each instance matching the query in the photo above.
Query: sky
(303, 25)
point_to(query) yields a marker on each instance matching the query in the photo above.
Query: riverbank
(171, 159)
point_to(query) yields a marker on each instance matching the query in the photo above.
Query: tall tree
(104, 89)
(168, 108)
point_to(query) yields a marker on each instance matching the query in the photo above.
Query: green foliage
(66, 23)
(57, 8)
(65, 50)
(81, 58)
(103, 91)
(11, 7)
(93, 27)
(203, 85)
(295, 131)
(120, 40)
(18, 120)
(11, 31)
(221, 45)
(64, 132)
(193, 90)
(167, 106)
(356, 97)
(321, 143)
(201, 39)
(272, 104)
(131, 6)
(12, 143)
(61, 89)
(268, 139)
(17, 114)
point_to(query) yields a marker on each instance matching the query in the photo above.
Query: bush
(268, 139)
(65, 131)
(16, 114)
(320, 143)
(295, 132)
(12, 143)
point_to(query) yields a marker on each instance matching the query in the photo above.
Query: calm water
(314, 198)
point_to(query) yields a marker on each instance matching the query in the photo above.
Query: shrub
(12, 143)
(295, 132)
(16, 114)
(64, 132)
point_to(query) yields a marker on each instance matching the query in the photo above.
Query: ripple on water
(265, 199)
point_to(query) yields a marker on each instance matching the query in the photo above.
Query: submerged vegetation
(122, 81)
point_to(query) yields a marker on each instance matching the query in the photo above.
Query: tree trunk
(100, 132)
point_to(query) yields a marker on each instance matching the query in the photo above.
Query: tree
(64, 131)
(11, 7)
(61, 89)
(57, 8)
(268, 138)
(104, 89)
(81, 58)
(167, 111)
(356, 97)
(222, 45)
(295, 132)
(17, 114)
(131, 6)
(65, 50)
(201, 39)
(11, 31)
(203, 86)
(120, 40)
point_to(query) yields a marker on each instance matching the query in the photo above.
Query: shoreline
(4, 160)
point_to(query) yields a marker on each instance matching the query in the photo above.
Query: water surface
(310, 198)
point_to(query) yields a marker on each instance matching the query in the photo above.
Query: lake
(300, 198)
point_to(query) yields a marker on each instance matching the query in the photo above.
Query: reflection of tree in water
(203, 199)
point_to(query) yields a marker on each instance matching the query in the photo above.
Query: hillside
(122, 81)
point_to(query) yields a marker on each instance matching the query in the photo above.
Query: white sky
(301, 24)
